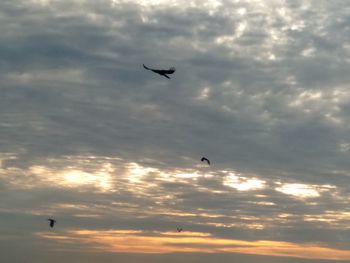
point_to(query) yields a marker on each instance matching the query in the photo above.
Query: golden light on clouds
(242, 183)
(103, 173)
(298, 190)
(134, 241)
(136, 172)
(146, 183)
(74, 177)
(336, 219)
(188, 175)
(302, 190)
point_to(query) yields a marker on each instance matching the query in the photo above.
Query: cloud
(260, 89)
(130, 241)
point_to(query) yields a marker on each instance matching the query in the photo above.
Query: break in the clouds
(112, 152)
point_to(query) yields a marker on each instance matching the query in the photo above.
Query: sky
(112, 151)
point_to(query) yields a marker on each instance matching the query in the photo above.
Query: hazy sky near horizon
(112, 151)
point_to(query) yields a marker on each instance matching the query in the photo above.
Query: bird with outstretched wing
(206, 160)
(162, 72)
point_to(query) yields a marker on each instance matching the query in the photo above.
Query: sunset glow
(131, 241)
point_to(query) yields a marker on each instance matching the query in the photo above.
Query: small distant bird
(162, 72)
(205, 159)
(52, 222)
(179, 229)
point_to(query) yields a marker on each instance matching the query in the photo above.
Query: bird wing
(170, 71)
(160, 71)
(205, 159)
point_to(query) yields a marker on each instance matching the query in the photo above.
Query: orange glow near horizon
(135, 241)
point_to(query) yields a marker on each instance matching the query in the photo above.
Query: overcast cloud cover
(112, 151)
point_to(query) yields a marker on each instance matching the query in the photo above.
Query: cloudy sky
(112, 151)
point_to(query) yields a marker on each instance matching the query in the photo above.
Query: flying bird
(179, 229)
(52, 222)
(205, 159)
(162, 72)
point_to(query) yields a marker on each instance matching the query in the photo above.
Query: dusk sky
(112, 151)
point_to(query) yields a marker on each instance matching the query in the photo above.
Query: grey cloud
(73, 84)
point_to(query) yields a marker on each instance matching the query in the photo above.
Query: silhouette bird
(179, 229)
(162, 72)
(205, 159)
(52, 222)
